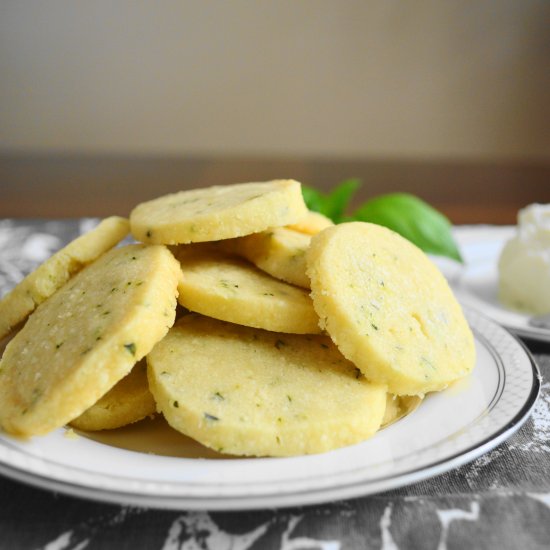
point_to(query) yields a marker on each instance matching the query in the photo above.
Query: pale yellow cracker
(245, 391)
(220, 212)
(22, 300)
(86, 337)
(127, 402)
(398, 407)
(312, 223)
(233, 290)
(281, 252)
(388, 308)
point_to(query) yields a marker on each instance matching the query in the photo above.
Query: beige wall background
(426, 79)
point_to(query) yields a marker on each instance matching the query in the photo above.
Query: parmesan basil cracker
(127, 402)
(231, 289)
(86, 337)
(280, 251)
(39, 285)
(245, 391)
(312, 223)
(388, 308)
(220, 212)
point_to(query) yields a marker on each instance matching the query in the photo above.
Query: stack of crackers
(292, 335)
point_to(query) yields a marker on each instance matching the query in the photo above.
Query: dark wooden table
(72, 186)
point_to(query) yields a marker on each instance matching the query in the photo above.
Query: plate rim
(306, 496)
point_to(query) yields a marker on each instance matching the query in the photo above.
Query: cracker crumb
(71, 434)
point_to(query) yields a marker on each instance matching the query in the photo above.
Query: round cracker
(312, 223)
(388, 308)
(23, 299)
(281, 252)
(220, 212)
(233, 290)
(86, 337)
(245, 391)
(125, 403)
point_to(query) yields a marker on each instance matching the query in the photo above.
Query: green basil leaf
(413, 219)
(334, 204)
(314, 199)
(339, 199)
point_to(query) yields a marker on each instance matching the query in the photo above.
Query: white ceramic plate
(477, 284)
(448, 429)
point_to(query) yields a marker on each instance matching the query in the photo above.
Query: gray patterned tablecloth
(501, 500)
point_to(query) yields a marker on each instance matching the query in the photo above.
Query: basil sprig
(405, 214)
(334, 204)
